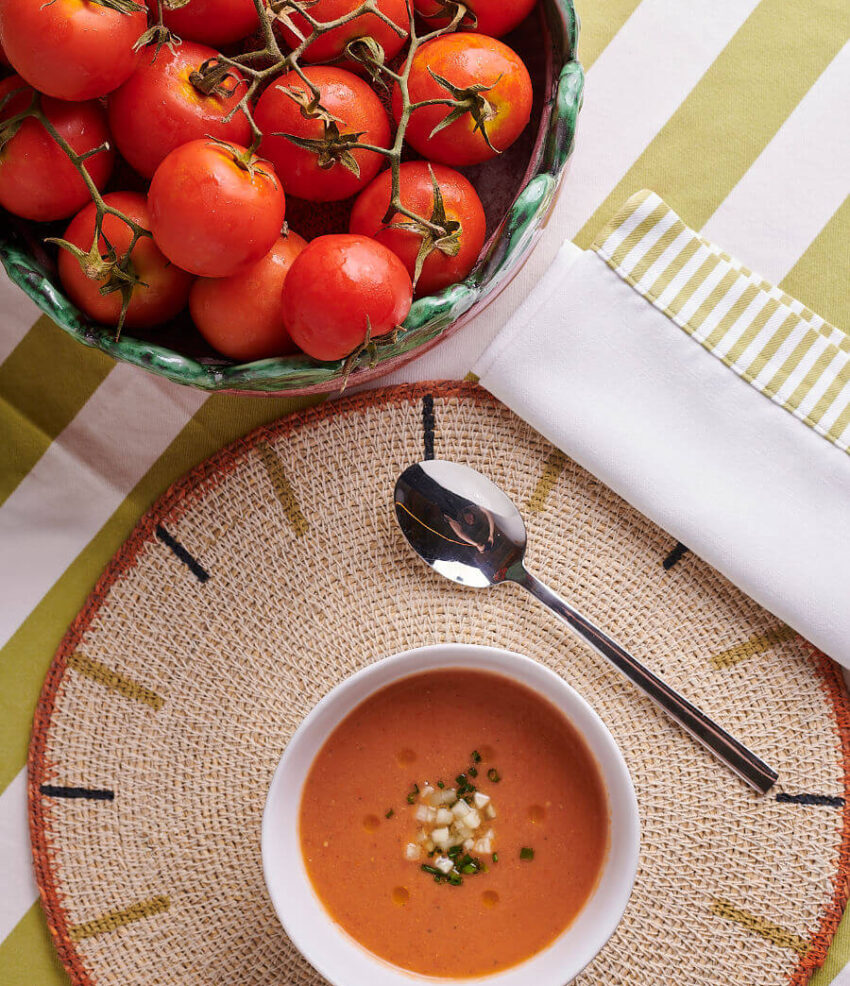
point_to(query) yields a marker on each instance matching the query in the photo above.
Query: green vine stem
(259, 67)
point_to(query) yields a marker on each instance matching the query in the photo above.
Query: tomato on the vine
(215, 208)
(37, 180)
(332, 43)
(213, 22)
(242, 316)
(72, 49)
(491, 17)
(164, 290)
(343, 291)
(327, 169)
(164, 104)
(444, 260)
(491, 87)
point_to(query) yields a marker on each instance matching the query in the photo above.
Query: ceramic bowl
(327, 946)
(518, 194)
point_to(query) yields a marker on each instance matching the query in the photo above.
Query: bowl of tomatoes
(278, 196)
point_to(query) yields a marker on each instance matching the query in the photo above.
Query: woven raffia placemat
(275, 569)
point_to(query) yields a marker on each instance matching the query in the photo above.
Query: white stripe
(634, 220)
(787, 347)
(740, 325)
(814, 395)
(633, 87)
(747, 357)
(796, 184)
(648, 241)
(19, 890)
(664, 261)
(803, 367)
(834, 411)
(81, 479)
(721, 309)
(636, 85)
(702, 292)
(19, 313)
(682, 278)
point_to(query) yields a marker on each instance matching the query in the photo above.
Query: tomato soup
(455, 823)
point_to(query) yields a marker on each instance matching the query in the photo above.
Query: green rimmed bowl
(518, 191)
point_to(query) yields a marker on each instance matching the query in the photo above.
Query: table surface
(735, 112)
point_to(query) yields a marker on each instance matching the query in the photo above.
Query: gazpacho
(455, 823)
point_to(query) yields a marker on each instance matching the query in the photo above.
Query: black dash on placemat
(429, 422)
(194, 566)
(86, 793)
(810, 799)
(675, 555)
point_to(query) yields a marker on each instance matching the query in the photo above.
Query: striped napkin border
(768, 338)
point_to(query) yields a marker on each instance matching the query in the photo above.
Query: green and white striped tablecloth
(736, 112)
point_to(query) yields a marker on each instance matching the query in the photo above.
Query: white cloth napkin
(708, 451)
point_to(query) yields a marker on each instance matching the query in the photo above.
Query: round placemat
(275, 569)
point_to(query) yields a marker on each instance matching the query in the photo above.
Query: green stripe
(792, 361)
(732, 316)
(771, 347)
(44, 382)
(647, 224)
(26, 657)
(599, 24)
(27, 956)
(734, 110)
(819, 278)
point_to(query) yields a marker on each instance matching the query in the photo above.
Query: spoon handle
(725, 747)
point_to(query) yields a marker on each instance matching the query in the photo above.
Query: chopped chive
(440, 785)
(431, 869)
(411, 798)
(455, 879)
(438, 878)
(495, 857)
(473, 772)
(454, 851)
(494, 775)
(469, 868)
(526, 853)
(476, 756)
(460, 779)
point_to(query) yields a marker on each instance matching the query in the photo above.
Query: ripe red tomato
(166, 288)
(71, 49)
(242, 316)
(492, 17)
(466, 60)
(454, 256)
(214, 208)
(341, 288)
(37, 181)
(213, 22)
(321, 174)
(332, 44)
(158, 108)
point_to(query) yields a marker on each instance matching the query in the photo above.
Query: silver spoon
(467, 529)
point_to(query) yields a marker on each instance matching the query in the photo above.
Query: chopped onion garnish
(412, 852)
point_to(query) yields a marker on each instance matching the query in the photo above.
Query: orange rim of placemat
(208, 474)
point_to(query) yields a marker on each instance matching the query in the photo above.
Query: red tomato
(322, 175)
(71, 49)
(166, 288)
(215, 209)
(463, 212)
(37, 181)
(341, 288)
(332, 44)
(492, 17)
(242, 316)
(213, 22)
(465, 60)
(158, 108)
